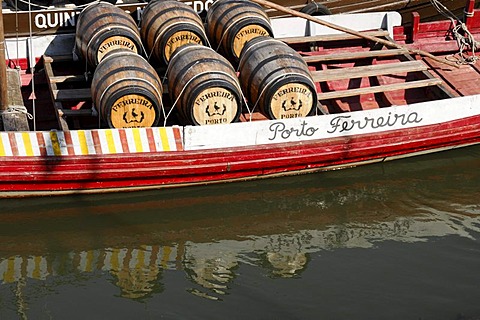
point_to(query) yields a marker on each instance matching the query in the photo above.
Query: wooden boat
(384, 91)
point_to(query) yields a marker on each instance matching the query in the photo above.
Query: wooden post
(3, 67)
(351, 31)
(9, 120)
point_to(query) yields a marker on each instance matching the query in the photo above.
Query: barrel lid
(215, 105)
(133, 111)
(292, 100)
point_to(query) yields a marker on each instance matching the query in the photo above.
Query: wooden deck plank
(332, 37)
(376, 89)
(58, 58)
(354, 55)
(64, 95)
(69, 78)
(79, 112)
(367, 71)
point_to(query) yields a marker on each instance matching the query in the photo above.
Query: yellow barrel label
(245, 34)
(215, 106)
(292, 100)
(179, 39)
(133, 111)
(114, 43)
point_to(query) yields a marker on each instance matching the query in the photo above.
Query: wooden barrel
(204, 86)
(127, 91)
(231, 23)
(167, 25)
(275, 79)
(103, 28)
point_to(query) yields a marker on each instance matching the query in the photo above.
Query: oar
(351, 31)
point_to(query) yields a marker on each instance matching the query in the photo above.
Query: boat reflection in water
(206, 234)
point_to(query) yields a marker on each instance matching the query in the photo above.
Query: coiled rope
(461, 34)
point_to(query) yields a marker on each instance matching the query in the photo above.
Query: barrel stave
(168, 25)
(232, 23)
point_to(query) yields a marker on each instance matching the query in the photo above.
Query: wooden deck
(366, 76)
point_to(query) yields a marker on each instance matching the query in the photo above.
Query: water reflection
(206, 234)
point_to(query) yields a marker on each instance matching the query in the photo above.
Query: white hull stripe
(90, 142)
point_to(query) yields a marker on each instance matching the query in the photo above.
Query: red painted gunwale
(158, 170)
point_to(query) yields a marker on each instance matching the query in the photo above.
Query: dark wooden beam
(3, 66)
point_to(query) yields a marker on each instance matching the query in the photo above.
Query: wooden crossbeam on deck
(376, 89)
(331, 37)
(354, 55)
(64, 95)
(368, 71)
(59, 58)
(69, 78)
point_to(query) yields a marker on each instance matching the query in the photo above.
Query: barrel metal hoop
(285, 75)
(237, 5)
(131, 78)
(158, 14)
(231, 25)
(264, 62)
(159, 36)
(178, 54)
(235, 81)
(109, 14)
(258, 43)
(127, 68)
(109, 28)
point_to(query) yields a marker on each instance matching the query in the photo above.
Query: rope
(234, 23)
(160, 36)
(15, 109)
(461, 34)
(465, 42)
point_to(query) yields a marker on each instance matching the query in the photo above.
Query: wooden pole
(351, 31)
(3, 67)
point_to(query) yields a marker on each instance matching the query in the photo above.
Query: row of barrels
(211, 67)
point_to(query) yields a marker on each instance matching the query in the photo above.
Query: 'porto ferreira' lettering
(280, 130)
(344, 124)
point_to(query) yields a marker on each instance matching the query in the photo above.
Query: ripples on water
(396, 240)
